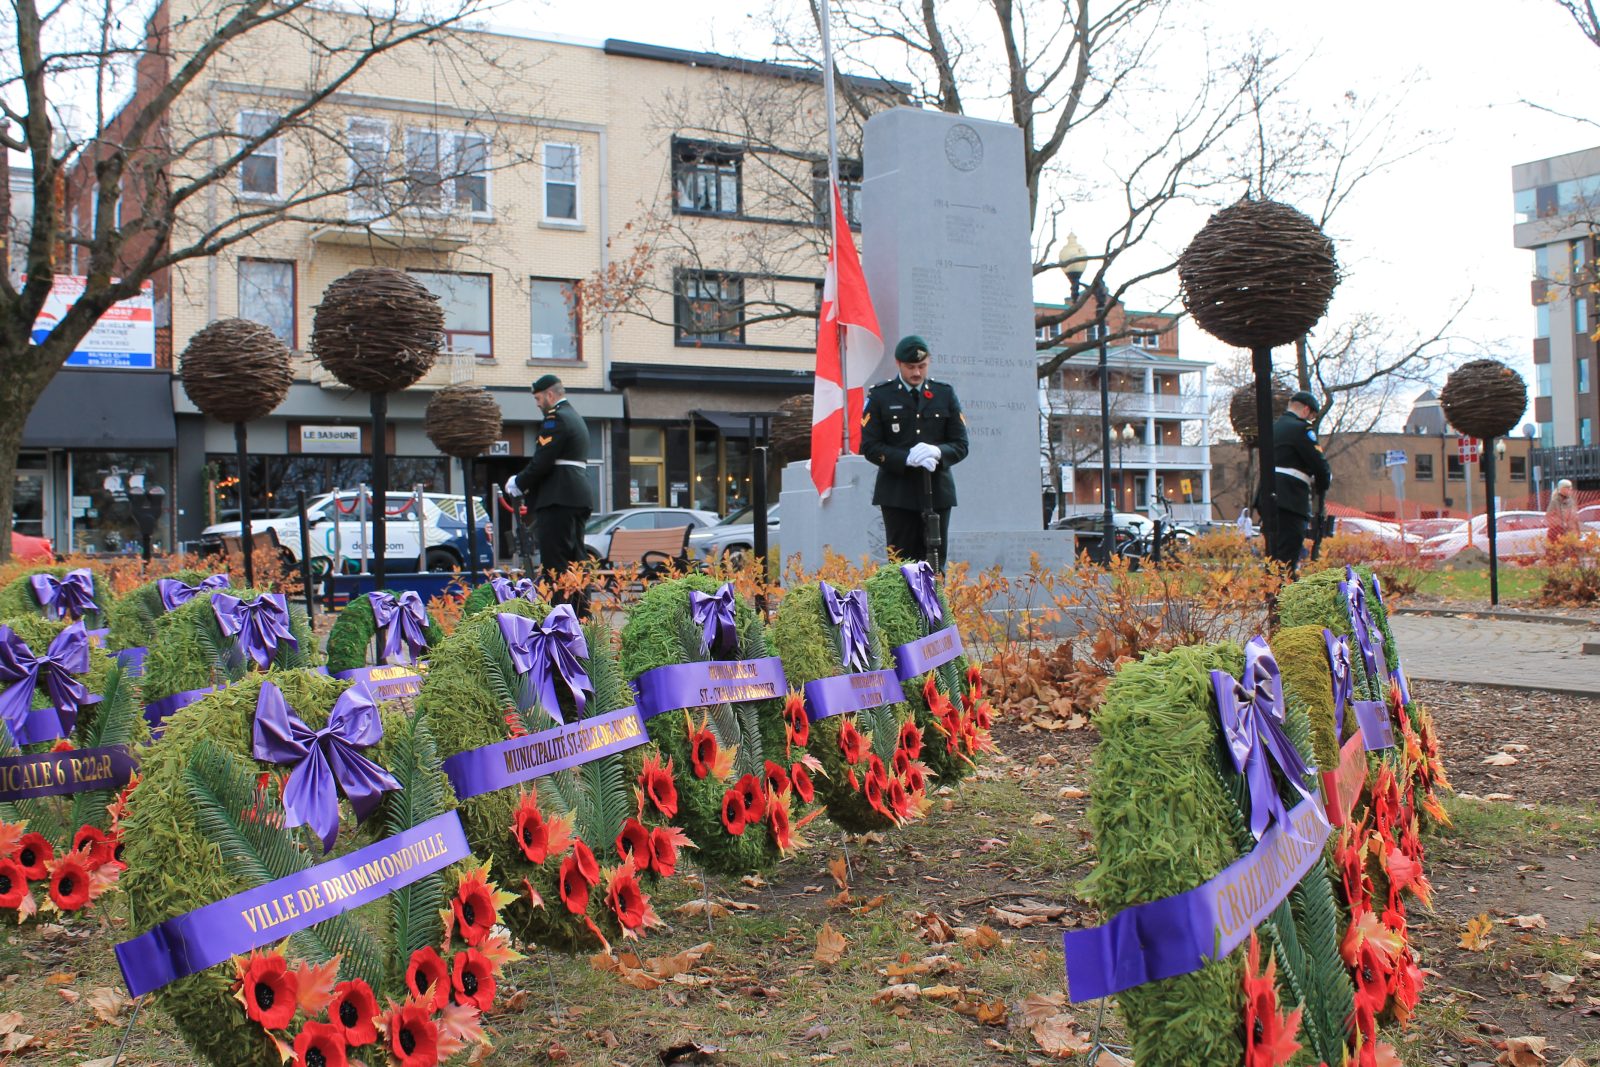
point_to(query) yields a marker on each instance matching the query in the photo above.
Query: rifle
(1321, 524)
(932, 536)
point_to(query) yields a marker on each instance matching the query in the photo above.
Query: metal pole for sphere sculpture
(1259, 274)
(465, 421)
(235, 370)
(1485, 398)
(378, 330)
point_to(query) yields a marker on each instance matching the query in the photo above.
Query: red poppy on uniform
(69, 882)
(320, 1045)
(354, 1010)
(474, 908)
(413, 1037)
(33, 855)
(427, 970)
(733, 813)
(472, 979)
(270, 989)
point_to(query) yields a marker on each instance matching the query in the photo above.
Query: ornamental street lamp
(1125, 437)
(1073, 261)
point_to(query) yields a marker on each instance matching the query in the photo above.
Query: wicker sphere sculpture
(1259, 274)
(378, 330)
(463, 421)
(1242, 409)
(1484, 398)
(236, 370)
(791, 430)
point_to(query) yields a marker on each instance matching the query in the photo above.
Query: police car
(337, 531)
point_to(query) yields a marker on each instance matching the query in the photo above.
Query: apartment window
(709, 308)
(1519, 468)
(267, 295)
(73, 224)
(705, 177)
(561, 182)
(468, 303)
(1048, 332)
(258, 171)
(1585, 434)
(1097, 330)
(1454, 469)
(1580, 315)
(555, 320)
(446, 170)
(849, 191)
(1541, 381)
(1541, 262)
(1375, 462)
(1541, 320)
(1575, 253)
(1547, 435)
(367, 142)
(1583, 375)
(1146, 340)
(1424, 471)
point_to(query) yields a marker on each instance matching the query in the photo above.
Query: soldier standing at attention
(913, 424)
(556, 480)
(1300, 468)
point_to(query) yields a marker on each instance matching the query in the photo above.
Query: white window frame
(448, 147)
(546, 182)
(359, 207)
(272, 147)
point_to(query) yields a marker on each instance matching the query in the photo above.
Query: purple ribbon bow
(403, 620)
(23, 672)
(714, 613)
(1344, 688)
(326, 762)
(546, 652)
(70, 597)
(505, 589)
(849, 614)
(175, 593)
(1355, 599)
(260, 624)
(919, 576)
(1252, 714)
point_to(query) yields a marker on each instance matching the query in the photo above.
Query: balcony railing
(1189, 457)
(1568, 461)
(453, 367)
(1087, 401)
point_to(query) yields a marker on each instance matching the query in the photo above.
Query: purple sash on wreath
(55, 673)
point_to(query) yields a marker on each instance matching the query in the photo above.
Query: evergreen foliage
(17, 599)
(350, 642)
(133, 616)
(188, 650)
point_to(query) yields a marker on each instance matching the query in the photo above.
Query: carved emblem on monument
(963, 147)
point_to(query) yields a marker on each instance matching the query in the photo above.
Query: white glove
(511, 489)
(923, 455)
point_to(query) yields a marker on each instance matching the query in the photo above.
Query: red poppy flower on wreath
(930, 690)
(428, 978)
(851, 743)
(1373, 971)
(588, 866)
(974, 680)
(899, 802)
(472, 979)
(413, 1037)
(529, 830)
(1385, 801)
(902, 762)
(320, 1045)
(911, 740)
(702, 752)
(872, 789)
(916, 780)
(633, 842)
(574, 887)
(33, 855)
(778, 823)
(754, 795)
(354, 1010)
(92, 843)
(268, 988)
(803, 787)
(628, 902)
(663, 851)
(777, 778)
(876, 772)
(1269, 1035)
(983, 716)
(1405, 873)
(733, 813)
(13, 884)
(656, 784)
(69, 882)
(1406, 985)
(474, 907)
(797, 728)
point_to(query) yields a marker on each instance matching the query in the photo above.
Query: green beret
(544, 382)
(911, 349)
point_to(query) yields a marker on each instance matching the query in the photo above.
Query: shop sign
(500, 448)
(123, 338)
(331, 440)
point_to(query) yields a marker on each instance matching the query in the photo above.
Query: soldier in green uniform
(1300, 468)
(556, 481)
(912, 427)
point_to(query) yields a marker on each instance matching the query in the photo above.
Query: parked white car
(1518, 535)
(1388, 532)
(733, 537)
(338, 532)
(597, 534)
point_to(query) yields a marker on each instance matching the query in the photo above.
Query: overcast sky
(1417, 239)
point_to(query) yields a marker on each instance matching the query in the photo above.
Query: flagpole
(826, 14)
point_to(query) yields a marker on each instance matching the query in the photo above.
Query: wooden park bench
(654, 553)
(267, 538)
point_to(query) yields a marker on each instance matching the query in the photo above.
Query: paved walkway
(1531, 655)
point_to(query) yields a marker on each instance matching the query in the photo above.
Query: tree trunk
(25, 371)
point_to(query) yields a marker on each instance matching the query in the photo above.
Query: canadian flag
(842, 376)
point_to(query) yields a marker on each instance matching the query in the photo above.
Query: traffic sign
(1470, 448)
(1394, 458)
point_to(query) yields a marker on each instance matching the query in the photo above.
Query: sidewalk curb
(1499, 615)
(1509, 686)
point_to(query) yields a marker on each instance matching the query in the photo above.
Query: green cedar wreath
(69, 846)
(189, 650)
(21, 597)
(350, 642)
(872, 773)
(1168, 813)
(739, 775)
(582, 846)
(498, 589)
(947, 702)
(403, 979)
(133, 616)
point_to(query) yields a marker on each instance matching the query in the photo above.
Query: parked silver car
(597, 534)
(732, 538)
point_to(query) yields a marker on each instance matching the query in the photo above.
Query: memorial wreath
(58, 593)
(134, 615)
(391, 630)
(499, 589)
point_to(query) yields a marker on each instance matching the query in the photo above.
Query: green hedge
(350, 640)
(188, 651)
(17, 598)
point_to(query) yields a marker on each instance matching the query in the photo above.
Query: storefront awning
(737, 423)
(103, 409)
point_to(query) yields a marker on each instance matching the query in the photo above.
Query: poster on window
(124, 338)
